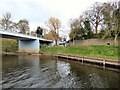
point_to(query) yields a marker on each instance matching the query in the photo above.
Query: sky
(37, 12)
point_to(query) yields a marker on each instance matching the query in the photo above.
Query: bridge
(27, 43)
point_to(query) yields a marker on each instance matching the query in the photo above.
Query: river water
(50, 72)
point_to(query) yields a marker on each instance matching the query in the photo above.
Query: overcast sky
(37, 12)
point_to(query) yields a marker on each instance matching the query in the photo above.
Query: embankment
(97, 51)
(9, 45)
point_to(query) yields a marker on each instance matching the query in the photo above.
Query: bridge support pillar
(29, 46)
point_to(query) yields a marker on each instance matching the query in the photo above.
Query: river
(25, 71)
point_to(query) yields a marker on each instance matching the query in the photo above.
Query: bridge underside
(29, 46)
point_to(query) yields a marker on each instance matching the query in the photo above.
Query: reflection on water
(40, 72)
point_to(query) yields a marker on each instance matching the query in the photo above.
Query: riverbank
(9, 45)
(19, 53)
(96, 51)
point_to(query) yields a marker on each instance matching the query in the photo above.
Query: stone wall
(94, 42)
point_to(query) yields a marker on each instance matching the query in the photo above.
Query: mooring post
(82, 59)
(104, 64)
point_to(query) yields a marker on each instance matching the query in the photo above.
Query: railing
(15, 32)
(30, 35)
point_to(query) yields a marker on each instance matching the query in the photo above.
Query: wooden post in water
(82, 59)
(67, 57)
(104, 64)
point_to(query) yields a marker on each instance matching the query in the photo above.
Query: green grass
(110, 52)
(9, 45)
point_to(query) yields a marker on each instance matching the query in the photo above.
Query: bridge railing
(15, 32)
(28, 35)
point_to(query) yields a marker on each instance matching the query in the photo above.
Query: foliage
(9, 45)
(54, 24)
(107, 13)
(89, 33)
(39, 31)
(102, 34)
(23, 25)
(102, 18)
(79, 32)
(112, 20)
(49, 36)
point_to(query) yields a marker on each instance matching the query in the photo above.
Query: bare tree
(23, 25)
(6, 22)
(13, 27)
(54, 24)
(95, 15)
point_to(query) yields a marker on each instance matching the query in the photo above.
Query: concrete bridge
(27, 43)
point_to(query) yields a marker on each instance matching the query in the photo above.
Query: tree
(116, 22)
(13, 27)
(111, 16)
(54, 24)
(73, 24)
(87, 28)
(39, 31)
(77, 34)
(73, 34)
(80, 29)
(49, 36)
(102, 34)
(95, 15)
(6, 22)
(77, 29)
(23, 25)
(107, 18)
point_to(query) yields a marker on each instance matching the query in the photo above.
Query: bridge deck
(19, 36)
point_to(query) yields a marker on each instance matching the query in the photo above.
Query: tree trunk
(73, 41)
(115, 40)
(96, 31)
(56, 42)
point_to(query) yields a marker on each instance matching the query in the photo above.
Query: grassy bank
(110, 52)
(9, 45)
